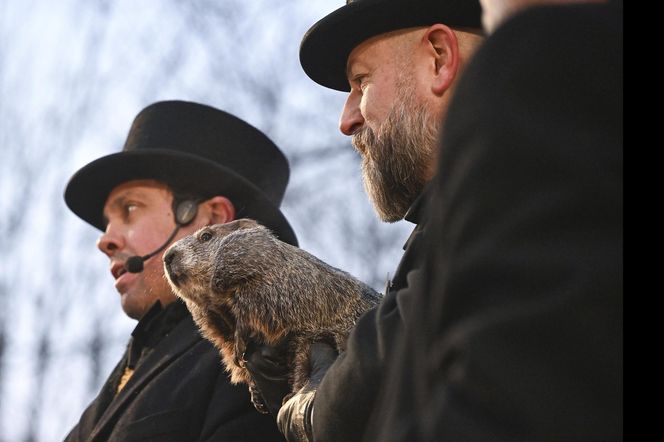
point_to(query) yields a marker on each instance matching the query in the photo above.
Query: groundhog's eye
(205, 236)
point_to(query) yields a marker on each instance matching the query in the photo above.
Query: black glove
(268, 368)
(295, 419)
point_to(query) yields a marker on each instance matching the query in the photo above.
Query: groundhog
(242, 284)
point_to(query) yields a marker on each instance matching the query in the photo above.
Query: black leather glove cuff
(295, 419)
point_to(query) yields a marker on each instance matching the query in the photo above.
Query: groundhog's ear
(238, 224)
(246, 223)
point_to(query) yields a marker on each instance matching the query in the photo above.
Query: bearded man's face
(398, 155)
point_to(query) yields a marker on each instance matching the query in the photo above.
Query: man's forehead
(355, 64)
(136, 189)
(366, 54)
(376, 50)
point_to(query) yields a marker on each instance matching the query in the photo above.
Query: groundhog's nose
(169, 257)
(170, 264)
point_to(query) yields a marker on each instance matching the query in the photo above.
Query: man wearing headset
(184, 165)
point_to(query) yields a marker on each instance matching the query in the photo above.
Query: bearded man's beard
(397, 158)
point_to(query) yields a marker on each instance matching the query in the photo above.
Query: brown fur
(241, 283)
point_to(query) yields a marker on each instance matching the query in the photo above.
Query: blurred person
(184, 166)
(398, 60)
(516, 332)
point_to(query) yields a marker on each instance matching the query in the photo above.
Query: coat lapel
(92, 415)
(183, 336)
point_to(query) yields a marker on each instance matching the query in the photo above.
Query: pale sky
(73, 74)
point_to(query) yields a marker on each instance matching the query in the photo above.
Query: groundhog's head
(190, 264)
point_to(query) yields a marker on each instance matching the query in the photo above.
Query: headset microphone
(185, 212)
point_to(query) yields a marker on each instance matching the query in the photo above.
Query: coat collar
(183, 336)
(153, 327)
(416, 210)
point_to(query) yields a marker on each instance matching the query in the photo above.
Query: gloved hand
(269, 371)
(268, 368)
(295, 419)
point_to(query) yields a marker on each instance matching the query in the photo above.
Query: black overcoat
(517, 332)
(178, 392)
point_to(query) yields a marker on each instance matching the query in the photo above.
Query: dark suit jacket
(179, 392)
(517, 332)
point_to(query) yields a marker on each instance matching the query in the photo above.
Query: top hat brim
(327, 44)
(87, 191)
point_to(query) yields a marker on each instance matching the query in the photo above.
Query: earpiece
(185, 212)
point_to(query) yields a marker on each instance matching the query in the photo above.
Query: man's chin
(388, 217)
(135, 310)
(391, 200)
(388, 211)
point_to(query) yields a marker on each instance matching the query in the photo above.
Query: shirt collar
(153, 327)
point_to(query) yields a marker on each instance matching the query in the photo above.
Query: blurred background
(73, 74)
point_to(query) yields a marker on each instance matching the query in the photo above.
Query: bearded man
(398, 60)
(517, 333)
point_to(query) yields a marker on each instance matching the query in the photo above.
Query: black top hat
(193, 148)
(327, 44)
